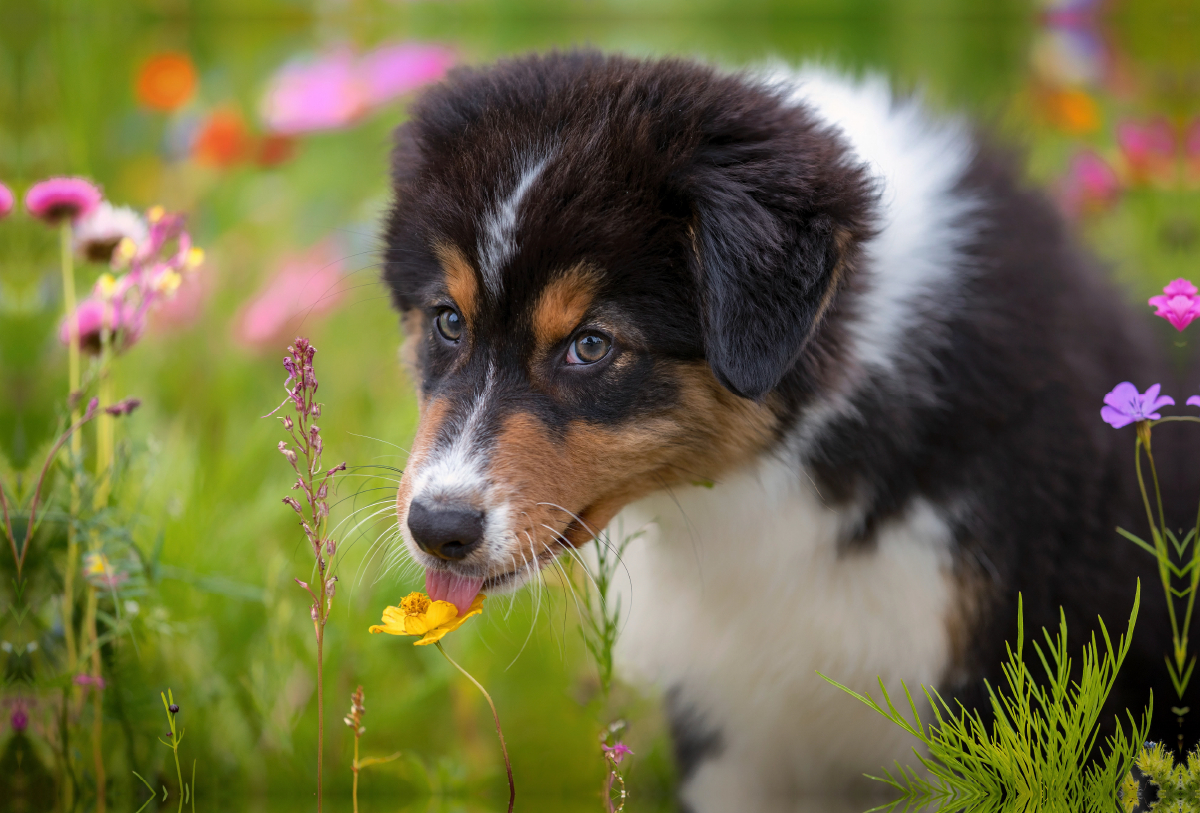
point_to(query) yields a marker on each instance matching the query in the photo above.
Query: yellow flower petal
(419, 616)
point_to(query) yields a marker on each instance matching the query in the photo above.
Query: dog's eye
(449, 324)
(588, 348)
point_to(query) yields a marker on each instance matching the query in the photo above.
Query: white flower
(97, 234)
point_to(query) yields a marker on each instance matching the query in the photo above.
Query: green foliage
(602, 622)
(1176, 787)
(1040, 747)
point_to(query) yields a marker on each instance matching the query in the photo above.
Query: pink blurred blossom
(90, 680)
(1089, 185)
(394, 70)
(1148, 147)
(320, 95)
(1178, 303)
(94, 315)
(6, 200)
(336, 88)
(56, 199)
(304, 286)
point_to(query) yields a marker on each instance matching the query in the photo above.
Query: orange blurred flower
(223, 139)
(166, 81)
(1072, 111)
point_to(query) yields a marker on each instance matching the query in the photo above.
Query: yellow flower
(106, 286)
(417, 615)
(96, 564)
(195, 258)
(125, 251)
(168, 282)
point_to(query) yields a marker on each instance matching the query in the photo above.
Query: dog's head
(605, 267)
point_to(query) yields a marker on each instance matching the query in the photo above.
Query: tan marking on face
(432, 417)
(596, 470)
(563, 304)
(461, 282)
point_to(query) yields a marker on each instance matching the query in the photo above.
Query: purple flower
(616, 752)
(56, 199)
(124, 407)
(1125, 404)
(19, 719)
(6, 200)
(1178, 303)
(1194, 401)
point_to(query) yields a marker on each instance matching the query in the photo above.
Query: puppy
(820, 345)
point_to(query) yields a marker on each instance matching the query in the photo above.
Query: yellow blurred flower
(106, 286)
(195, 258)
(417, 615)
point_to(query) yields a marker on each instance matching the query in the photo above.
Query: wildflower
(322, 94)
(1125, 405)
(1148, 148)
(304, 286)
(394, 70)
(166, 81)
(616, 752)
(100, 572)
(6, 200)
(124, 407)
(94, 316)
(90, 680)
(1179, 303)
(97, 234)
(357, 710)
(19, 719)
(1090, 184)
(223, 140)
(417, 615)
(57, 199)
(173, 708)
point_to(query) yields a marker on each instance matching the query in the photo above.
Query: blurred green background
(1101, 100)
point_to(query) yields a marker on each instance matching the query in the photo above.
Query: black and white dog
(823, 346)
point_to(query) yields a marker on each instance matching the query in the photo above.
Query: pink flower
(305, 286)
(1125, 405)
(1090, 184)
(93, 315)
(394, 70)
(320, 95)
(616, 752)
(1148, 148)
(1194, 401)
(19, 719)
(1178, 303)
(6, 200)
(56, 199)
(90, 680)
(337, 88)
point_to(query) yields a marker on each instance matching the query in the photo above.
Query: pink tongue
(458, 590)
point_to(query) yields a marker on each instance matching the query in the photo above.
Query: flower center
(414, 604)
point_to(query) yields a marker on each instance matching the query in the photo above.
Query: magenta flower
(1178, 303)
(93, 316)
(1089, 185)
(321, 95)
(305, 286)
(1147, 147)
(6, 201)
(1125, 405)
(57, 199)
(19, 719)
(90, 680)
(394, 70)
(1194, 401)
(616, 752)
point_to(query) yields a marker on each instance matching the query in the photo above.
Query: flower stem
(320, 629)
(354, 791)
(67, 262)
(512, 789)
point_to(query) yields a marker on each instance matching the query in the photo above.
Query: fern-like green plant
(1176, 787)
(1039, 753)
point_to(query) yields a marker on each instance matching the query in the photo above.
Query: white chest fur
(740, 596)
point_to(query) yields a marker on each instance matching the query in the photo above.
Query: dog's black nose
(446, 531)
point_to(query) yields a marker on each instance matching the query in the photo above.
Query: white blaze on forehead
(455, 472)
(498, 239)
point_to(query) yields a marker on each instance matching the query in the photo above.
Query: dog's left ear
(778, 209)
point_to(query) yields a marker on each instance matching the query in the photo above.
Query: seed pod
(173, 708)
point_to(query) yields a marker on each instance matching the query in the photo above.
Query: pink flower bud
(331, 549)
(315, 613)
(288, 423)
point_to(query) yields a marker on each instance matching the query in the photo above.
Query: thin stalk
(319, 624)
(354, 789)
(1159, 541)
(512, 789)
(68, 600)
(104, 461)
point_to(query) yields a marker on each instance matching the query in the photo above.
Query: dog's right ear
(778, 210)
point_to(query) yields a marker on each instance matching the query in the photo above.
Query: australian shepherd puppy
(823, 347)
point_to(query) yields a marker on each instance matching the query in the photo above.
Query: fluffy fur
(887, 355)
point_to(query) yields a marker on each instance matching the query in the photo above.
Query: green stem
(512, 789)
(1160, 542)
(354, 791)
(320, 628)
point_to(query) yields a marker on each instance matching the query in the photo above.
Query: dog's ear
(777, 212)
